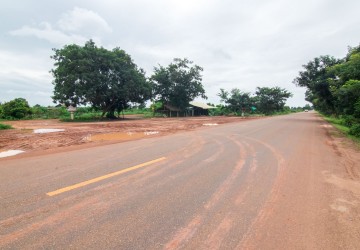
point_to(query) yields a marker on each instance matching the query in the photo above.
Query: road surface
(275, 183)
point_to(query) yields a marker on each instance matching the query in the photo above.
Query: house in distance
(194, 109)
(198, 108)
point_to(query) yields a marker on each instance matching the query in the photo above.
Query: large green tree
(270, 100)
(346, 86)
(178, 84)
(333, 85)
(236, 100)
(107, 80)
(316, 77)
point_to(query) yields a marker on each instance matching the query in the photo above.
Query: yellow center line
(84, 183)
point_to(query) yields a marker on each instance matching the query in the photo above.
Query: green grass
(5, 126)
(96, 115)
(83, 118)
(137, 111)
(338, 123)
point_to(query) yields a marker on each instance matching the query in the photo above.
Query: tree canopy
(266, 100)
(333, 85)
(270, 100)
(17, 108)
(107, 80)
(315, 78)
(178, 84)
(236, 100)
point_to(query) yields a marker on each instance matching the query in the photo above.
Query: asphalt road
(275, 183)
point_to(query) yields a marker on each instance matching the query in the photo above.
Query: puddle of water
(10, 153)
(210, 124)
(120, 136)
(326, 126)
(47, 130)
(151, 133)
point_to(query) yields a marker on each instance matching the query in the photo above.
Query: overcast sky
(242, 44)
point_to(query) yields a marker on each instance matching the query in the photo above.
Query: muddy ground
(88, 134)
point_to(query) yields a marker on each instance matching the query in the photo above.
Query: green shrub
(1, 111)
(137, 111)
(216, 112)
(5, 126)
(357, 109)
(17, 108)
(348, 120)
(355, 130)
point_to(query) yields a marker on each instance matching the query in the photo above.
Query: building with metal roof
(198, 108)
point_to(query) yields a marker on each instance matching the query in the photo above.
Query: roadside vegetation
(88, 114)
(5, 126)
(265, 101)
(333, 87)
(106, 84)
(223, 110)
(22, 111)
(342, 126)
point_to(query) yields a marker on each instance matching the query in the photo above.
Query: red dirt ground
(88, 134)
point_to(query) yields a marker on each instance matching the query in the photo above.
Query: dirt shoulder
(89, 134)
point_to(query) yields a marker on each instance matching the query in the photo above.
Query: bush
(348, 120)
(357, 109)
(355, 130)
(137, 111)
(1, 111)
(17, 108)
(5, 126)
(39, 112)
(216, 112)
(222, 110)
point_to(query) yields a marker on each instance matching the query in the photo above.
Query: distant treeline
(266, 101)
(20, 109)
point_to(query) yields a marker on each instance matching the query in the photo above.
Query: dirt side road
(284, 182)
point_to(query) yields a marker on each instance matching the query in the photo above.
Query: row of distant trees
(266, 100)
(333, 86)
(109, 80)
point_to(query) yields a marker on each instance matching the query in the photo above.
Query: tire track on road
(267, 209)
(185, 234)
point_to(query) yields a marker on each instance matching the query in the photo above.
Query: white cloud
(76, 26)
(78, 20)
(24, 66)
(26, 76)
(45, 31)
(239, 43)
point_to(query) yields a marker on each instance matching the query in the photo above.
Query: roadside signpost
(71, 109)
